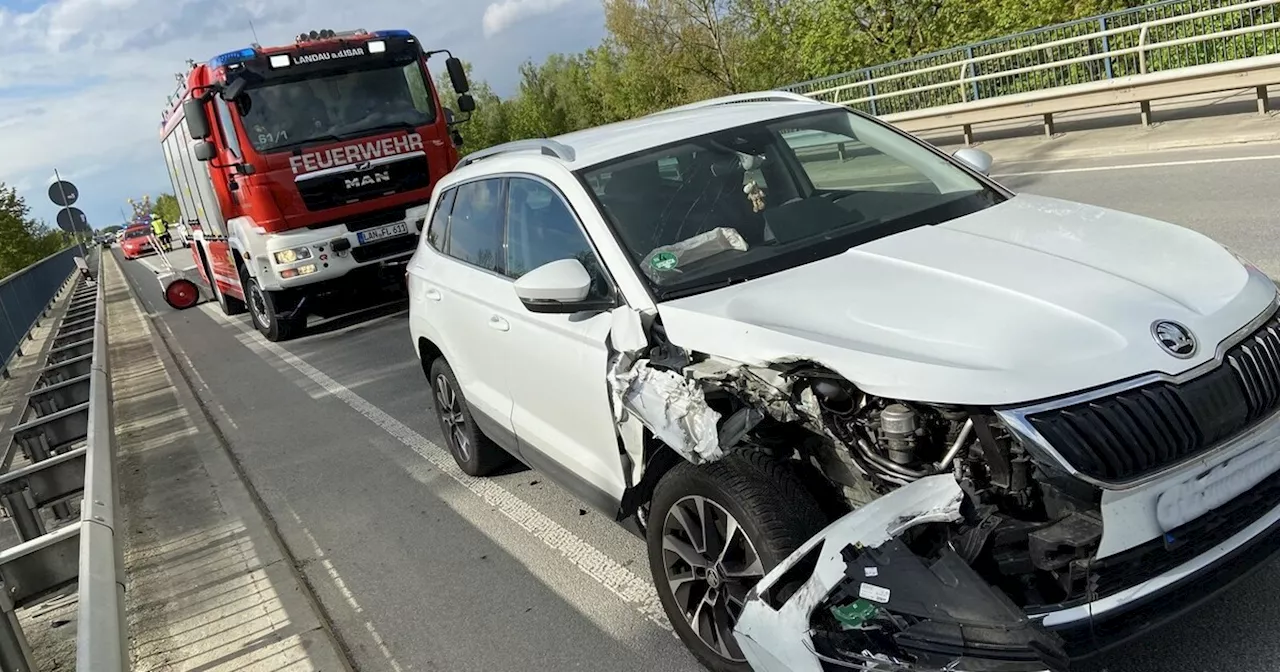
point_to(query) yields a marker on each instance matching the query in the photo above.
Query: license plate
(383, 232)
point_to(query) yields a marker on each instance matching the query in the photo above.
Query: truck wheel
(475, 453)
(713, 532)
(263, 309)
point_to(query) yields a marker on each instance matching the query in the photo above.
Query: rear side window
(475, 227)
(440, 220)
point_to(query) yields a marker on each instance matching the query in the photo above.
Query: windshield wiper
(679, 291)
(380, 128)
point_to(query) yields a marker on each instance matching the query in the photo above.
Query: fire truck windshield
(286, 113)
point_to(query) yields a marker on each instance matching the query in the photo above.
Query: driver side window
(541, 228)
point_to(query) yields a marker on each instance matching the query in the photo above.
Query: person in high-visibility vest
(161, 231)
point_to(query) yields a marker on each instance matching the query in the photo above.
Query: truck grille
(1139, 431)
(329, 191)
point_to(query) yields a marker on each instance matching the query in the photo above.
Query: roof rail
(753, 97)
(542, 145)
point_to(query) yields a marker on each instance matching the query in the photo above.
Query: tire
(475, 453)
(262, 307)
(774, 514)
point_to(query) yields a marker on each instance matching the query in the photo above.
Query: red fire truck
(304, 171)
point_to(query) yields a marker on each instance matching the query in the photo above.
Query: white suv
(864, 403)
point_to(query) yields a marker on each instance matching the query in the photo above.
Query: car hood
(1032, 298)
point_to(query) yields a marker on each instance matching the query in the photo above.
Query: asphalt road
(423, 568)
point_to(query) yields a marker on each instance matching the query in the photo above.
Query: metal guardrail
(1256, 73)
(24, 299)
(1157, 37)
(65, 432)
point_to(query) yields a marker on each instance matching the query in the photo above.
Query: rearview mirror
(457, 75)
(232, 89)
(197, 122)
(466, 103)
(558, 287)
(203, 150)
(975, 159)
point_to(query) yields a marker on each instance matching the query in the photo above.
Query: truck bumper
(322, 255)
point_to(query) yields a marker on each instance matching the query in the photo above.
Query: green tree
(166, 205)
(23, 240)
(661, 53)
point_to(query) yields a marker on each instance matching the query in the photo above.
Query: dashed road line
(637, 592)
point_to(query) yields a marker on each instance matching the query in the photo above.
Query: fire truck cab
(304, 171)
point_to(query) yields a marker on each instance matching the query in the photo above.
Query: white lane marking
(1139, 166)
(146, 261)
(347, 594)
(200, 379)
(631, 589)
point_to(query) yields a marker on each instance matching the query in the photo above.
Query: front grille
(344, 188)
(1183, 544)
(1139, 431)
(384, 248)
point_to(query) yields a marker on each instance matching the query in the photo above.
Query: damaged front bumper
(865, 595)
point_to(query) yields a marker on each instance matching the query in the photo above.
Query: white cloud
(499, 16)
(82, 82)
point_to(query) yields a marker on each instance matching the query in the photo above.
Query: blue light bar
(246, 54)
(392, 33)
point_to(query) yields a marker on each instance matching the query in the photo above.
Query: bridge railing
(58, 487)
(1152, 38)
(24, 299)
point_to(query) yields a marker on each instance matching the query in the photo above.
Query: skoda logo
(1176, 339)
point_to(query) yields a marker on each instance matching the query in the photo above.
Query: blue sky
(82, 82)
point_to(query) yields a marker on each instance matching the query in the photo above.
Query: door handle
(499, 323)
(433, 294)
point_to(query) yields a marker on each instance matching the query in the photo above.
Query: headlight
(290, 256)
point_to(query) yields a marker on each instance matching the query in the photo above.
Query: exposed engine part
(957, 444)
(898, 427)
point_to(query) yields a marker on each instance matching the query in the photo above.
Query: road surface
(420, 567)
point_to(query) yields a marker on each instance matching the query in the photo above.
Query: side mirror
(558, 287)
(203, 150)
(466, 103)
(233, 89)
(197, 121)
(457, 75)
(975, 159)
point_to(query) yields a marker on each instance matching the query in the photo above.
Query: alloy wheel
(710, 564)
(455, 423)
(258, 303)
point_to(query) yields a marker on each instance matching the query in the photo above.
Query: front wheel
(713, 532)
(262, 306)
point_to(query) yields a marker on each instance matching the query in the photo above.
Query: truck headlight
(292, 255)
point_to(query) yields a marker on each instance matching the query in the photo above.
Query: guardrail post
(871, 92)
(1264, 103)
(15, 653)
(973, 72)
(1106, 46)
(26, 519)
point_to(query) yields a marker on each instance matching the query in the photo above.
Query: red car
(136, 242)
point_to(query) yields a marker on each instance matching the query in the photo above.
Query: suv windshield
(286, 113)
(757, 199)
